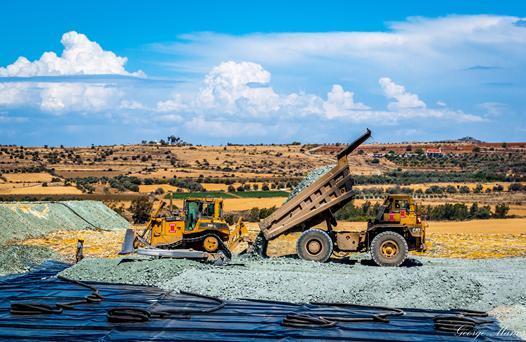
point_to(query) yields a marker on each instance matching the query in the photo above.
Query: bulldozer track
(222, 247)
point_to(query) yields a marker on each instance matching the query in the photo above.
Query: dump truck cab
(399, 208)
(397, 229)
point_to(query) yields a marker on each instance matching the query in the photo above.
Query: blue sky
(216, 72)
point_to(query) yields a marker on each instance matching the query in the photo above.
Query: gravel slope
(32, 219)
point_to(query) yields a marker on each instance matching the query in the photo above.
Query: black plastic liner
(238, 320)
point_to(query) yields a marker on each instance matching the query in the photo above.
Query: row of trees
(441, 212)
(462, 212)
(252, 215)
(131, 183)
(141, 208)
(435, 191)
(414, 177)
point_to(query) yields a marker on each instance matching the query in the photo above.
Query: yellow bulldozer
(198, 231)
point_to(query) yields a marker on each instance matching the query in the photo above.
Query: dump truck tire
(389, 249)
(314, 245)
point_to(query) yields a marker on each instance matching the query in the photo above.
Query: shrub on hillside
(140, 209)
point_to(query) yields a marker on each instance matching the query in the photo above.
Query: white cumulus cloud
(176, 104)
(78, 97)
(241, 90)
(80, 56)
(402, 98)
(13, 94)
(238, 87)
(340, 103)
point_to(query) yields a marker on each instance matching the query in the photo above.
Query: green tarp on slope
(19, 220)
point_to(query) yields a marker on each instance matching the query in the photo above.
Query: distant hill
(470, 140)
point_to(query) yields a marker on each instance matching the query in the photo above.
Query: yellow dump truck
(396, 230)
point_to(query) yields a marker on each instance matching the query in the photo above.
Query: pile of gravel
(309, 179)
(137, 270)
(491, 284)
(437, 284)
(19, 259)
(21, 220)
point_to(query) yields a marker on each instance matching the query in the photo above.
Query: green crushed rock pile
(498, 285)
(438, 283)
(19, 259)
(138, 271)
(20, 220)
(309, 179)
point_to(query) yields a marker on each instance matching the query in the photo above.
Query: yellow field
(165, 187)
(40, 190)
(249, 203)
(493, 226)
(475, 245)
(182, 173)
(4, 187)
(27, 177)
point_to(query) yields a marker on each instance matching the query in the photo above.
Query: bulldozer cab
(197, 209)
(400, 209)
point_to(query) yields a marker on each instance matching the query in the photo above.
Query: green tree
(140, 209)
(501, 210)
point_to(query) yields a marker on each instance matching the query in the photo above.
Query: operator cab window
(208, 210)
(402, 204)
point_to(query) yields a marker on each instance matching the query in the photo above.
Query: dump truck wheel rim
(211, 244)
(389, 249)
(314, 246)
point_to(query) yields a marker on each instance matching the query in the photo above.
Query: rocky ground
(497, 286)
(19, 259)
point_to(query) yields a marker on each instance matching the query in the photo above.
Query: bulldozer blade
(127, 244)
